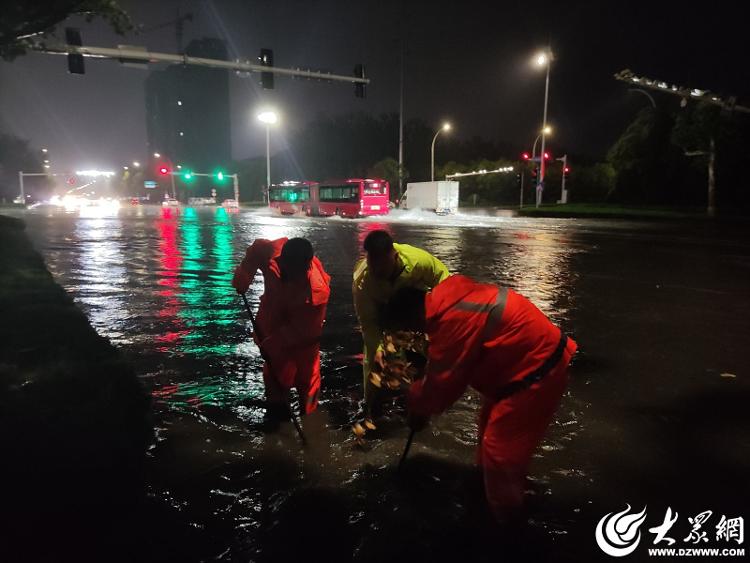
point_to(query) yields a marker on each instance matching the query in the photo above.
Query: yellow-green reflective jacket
(418, 268)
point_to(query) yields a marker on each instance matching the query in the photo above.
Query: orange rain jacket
(473, 342)
(290, 318)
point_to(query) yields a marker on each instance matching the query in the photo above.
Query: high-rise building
(187, 112)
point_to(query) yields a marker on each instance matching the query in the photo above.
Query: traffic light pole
(141, 54)
(729, 104)
(563, 192)
(22, 175)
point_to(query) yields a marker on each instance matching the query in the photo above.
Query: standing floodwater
(660, 311)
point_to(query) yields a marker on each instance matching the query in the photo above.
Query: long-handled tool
(265, 357)
(406, 449)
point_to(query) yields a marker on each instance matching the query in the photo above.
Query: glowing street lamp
(157, 155)
(268, 117)
(136, 164)
(546, 132)
(446, 127)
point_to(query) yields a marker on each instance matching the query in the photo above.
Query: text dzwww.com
(696, 552)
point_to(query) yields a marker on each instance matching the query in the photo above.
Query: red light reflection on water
(170, 262)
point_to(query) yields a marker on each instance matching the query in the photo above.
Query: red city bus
(353, 197)
(293, 198)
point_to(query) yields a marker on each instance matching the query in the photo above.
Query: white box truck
(440, 197)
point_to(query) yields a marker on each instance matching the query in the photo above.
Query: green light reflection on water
(211, 308)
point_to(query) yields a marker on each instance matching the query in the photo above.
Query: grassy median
(610, 211)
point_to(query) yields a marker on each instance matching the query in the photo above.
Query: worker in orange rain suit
(290, 318)
(498, 342)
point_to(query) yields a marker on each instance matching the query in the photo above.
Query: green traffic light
(220, 176)
(187, 176)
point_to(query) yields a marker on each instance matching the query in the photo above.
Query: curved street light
(446, 127)
(546, 131)
(543, 59)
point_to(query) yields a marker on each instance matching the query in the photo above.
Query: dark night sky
(466, 61)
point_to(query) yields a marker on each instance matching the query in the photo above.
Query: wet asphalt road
(656, 412)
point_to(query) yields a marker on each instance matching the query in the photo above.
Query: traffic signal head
(359, 87)
(187, 176)
(525, 156)
(220, 176)
(75, 61)
(546, 156)
(266, 59)
(163, 170)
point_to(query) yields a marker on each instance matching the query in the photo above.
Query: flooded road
(652, 417)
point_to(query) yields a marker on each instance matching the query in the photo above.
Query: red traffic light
(525, 156)
(546, 156)
(566, 169)
(163, 170)
(72, 181)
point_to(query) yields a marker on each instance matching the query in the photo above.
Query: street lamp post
(268, 117)
(543, 59)
(446, 127)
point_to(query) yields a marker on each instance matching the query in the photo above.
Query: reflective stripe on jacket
(480, 335)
